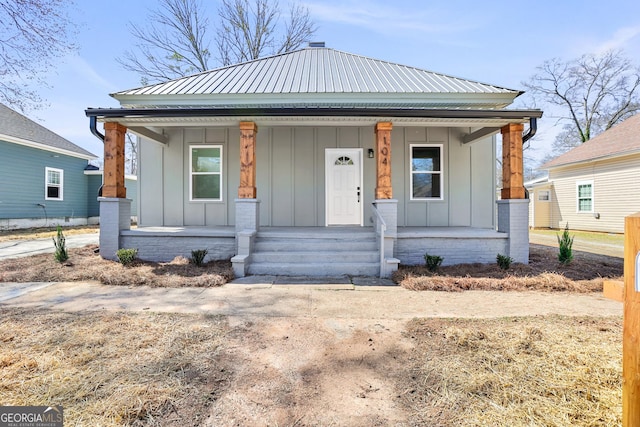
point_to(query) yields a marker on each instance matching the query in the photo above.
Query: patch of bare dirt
(312, 372)
(543, 273)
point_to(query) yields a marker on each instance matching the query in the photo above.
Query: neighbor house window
(205, 172)
(544, 195)
(426, 172)
(53, 185)
(585, 196)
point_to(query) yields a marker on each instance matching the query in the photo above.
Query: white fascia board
(26, 143)
(311, 121)
(463, 100)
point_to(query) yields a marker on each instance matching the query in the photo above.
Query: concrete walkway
(266, 297)
(21, 248)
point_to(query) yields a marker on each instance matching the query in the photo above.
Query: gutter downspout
(533, 127)
(93, 125)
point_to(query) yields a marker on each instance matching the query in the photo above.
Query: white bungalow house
(593, 186)
(317, 162)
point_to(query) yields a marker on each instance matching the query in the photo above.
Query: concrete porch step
(314, 245)
(315, 269)
(315, 257)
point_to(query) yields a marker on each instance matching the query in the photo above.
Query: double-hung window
(205, 172)
(426, 172)
(584, 190)
(53, 184)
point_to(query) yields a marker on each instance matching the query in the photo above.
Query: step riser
(315, 270)
(293, 246)
(315, 257)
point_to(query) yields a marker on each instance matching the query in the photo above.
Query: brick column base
(513, 218)
(115, 215)
(247, 215)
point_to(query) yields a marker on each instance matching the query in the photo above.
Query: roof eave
(546, 166)
(444, 113)
(465, 100)
(45, 147)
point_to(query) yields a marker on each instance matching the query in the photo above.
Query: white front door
(343, 186)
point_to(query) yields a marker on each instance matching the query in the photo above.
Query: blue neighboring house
(43, 179)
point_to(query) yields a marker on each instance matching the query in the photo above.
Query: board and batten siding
(290, 176)
(615, 194)
(22, 186)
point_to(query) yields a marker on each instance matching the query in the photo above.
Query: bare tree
(32, 34)
(592, 93)
(248, 31)
(175, 43)
(131, 154)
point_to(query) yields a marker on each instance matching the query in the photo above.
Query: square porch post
(115, 208)
(513, 209)
(247, 205)
(385, 204)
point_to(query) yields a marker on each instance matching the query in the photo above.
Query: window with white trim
(584, 196)
(205, 173)
(426, 172)
(544, 195)
(53, 184)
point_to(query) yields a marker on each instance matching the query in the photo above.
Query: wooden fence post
(631, 328)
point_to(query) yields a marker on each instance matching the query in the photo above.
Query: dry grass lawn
(115, 369)
(551, 371)
(112, 369)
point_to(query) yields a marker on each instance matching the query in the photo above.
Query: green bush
(504, 261)
(432, 261)
(565, 255)
(127, 256)
(60, 254)
(198, 255)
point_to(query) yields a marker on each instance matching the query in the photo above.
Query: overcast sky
(496, 42)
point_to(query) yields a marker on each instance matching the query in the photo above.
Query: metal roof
(17, 128)
(320, 75)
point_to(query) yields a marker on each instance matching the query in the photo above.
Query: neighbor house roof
(18, 129)
(620, 140)
(319, 77)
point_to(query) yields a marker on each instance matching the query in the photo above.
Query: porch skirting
(456, 245)
(162, 244)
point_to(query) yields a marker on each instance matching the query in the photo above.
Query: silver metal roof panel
(316, 70)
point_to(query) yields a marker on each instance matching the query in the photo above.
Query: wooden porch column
(383, 160)
(113, 185)
(512, 178)
(631, 326)
(247, 189)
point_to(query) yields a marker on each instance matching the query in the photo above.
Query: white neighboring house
(594, 186)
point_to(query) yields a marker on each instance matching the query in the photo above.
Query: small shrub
(504, 261)
(60, 254)
(432, 261)
(198, 255)
(127, 256)
(565, 254)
